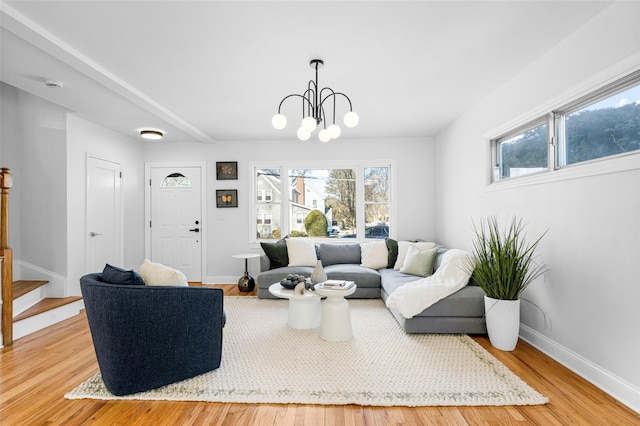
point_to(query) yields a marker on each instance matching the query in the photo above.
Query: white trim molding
(620, 389)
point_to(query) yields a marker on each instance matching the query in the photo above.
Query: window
(376, 199)
(604, 123)
(267, 183)
(176, 180)
(323, 202)
(601, 128)
(523, 152)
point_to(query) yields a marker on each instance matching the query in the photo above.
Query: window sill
(618, 164)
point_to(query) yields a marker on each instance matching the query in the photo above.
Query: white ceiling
(217, 70)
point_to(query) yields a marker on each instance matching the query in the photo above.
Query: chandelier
(313, 110)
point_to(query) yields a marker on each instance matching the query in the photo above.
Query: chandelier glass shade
(313, 110)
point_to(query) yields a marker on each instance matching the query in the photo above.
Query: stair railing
(6, 182)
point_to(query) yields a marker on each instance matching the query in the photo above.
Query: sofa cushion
(392, 247)
(158, 274)
(332, 254)
(115, 275)
(419, 262)
(403, 247)
(466, 302)
(277, 253)
(301, 252)
(390, 279)
(374, 254)
(266, 278)
(363, 277)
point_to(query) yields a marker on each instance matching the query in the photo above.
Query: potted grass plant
(503, 266)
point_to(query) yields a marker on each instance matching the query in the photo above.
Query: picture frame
(226, 198)
(226, 170)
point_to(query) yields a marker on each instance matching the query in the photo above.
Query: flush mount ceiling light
(313, 103)
(151, 134)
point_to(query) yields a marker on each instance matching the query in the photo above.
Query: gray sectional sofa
(460, 312)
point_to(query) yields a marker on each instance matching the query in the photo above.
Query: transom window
(176, 180)
(602, 124)
(324, 202)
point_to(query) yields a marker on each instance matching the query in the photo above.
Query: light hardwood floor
(39, 369)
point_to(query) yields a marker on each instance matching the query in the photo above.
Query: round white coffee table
(304, 309)
(335, 325)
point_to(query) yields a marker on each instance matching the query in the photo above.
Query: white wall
(591, 295)
(85, 137)
(43, 184)
(228, 229)
(10, 136)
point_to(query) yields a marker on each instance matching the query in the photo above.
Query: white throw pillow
(301, 252)
(161, 275)
(374, 255)
(419, 262)
(403, 247)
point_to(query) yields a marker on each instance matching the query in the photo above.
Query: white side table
(246, 282)
(304, 309)
(335, 325)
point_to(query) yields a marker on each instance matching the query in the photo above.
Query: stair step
(22, 287)
(46, 305)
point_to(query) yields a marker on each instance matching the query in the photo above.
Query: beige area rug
(265, 361)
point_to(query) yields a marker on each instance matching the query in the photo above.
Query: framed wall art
(226, 198)
(226, 170)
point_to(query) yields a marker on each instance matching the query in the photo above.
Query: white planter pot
(503, 322)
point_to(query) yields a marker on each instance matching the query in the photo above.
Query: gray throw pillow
(332, 254)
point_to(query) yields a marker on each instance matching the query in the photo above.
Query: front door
(104, 214)
(176, 219)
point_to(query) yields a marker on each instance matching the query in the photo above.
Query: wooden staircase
(24, 287)
(25, 307)
(33, 311)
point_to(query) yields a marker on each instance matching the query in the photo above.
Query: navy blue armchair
(146, 337)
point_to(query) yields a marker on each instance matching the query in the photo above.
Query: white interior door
(104, 214)
(176, 219)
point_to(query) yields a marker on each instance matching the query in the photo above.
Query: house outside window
(347, 200)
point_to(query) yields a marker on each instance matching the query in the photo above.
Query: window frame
(358, 165)
(557, 168)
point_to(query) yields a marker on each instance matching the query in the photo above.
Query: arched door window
(176, 180)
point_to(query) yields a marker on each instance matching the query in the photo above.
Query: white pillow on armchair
(158, 274)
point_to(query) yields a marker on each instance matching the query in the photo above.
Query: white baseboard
(620, 389)
(222, 280)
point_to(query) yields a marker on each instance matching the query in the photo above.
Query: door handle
(194, 230)
(94, 234)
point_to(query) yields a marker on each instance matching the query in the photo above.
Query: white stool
(304, 309)
(335, 324)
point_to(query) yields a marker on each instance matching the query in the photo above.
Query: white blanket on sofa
(416, 296)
